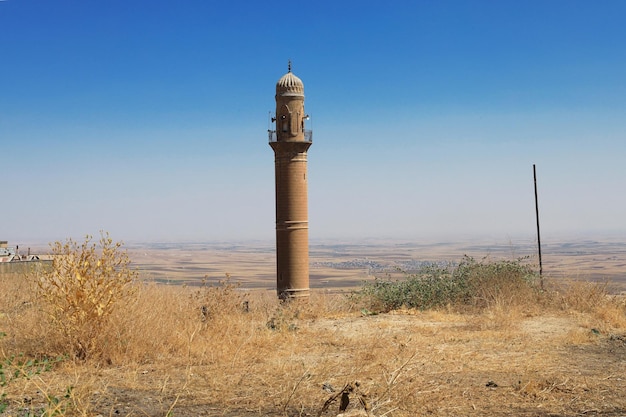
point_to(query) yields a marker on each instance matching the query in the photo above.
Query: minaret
(290, 143)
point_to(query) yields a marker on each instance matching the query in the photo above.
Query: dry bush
(185, 325)
(287, 315)
(579, 336)
(592, 298)
(147, 329)
(16, 294)
(580, 296)
(15, 297)
(213, 301)
(83, 287)
(497, 318)
(613, 313)
(27, 332)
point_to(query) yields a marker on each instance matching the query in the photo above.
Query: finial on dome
(289, 66)
(289, 83)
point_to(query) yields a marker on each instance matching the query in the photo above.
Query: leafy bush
(502, 283)
(478, 284)
(82, 288)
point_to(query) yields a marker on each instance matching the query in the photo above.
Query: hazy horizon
(498, 240)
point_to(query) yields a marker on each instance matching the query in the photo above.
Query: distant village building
(6, 253)
(11, 253)
(290, 142)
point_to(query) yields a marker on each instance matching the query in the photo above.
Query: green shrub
(471, 283)
(502, 283)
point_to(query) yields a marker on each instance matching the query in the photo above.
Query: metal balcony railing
(308, 136)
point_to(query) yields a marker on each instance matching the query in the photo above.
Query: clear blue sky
(148, 119)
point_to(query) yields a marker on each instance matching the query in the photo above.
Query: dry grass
(184, 351)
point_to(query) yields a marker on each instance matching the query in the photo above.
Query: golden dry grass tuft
(172, 350)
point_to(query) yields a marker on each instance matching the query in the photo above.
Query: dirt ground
(443, 364)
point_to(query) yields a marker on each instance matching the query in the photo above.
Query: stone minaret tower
(290, 143)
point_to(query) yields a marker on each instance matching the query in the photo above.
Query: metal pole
(538, 234)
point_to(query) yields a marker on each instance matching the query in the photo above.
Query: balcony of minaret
(308, 136)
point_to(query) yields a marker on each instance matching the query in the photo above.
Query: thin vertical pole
(538, 233)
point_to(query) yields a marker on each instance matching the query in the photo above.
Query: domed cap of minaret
(289, 84)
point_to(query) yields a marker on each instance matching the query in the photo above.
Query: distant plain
(336, 265)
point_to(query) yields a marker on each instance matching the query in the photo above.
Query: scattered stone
(328, 388)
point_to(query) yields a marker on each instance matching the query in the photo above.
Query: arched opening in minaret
(285, 124)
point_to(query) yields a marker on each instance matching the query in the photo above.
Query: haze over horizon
(148, 119)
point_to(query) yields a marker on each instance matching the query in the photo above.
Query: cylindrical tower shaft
(290, 143)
